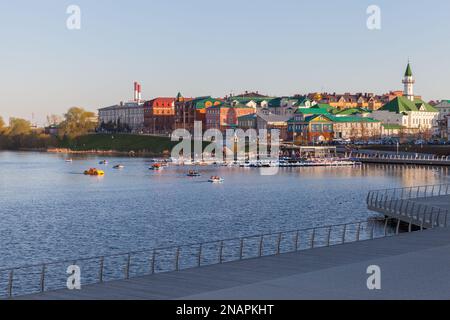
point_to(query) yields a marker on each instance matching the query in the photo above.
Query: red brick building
(159, 115)
(226, 116)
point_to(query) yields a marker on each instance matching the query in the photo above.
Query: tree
(77, 122)
(19, 127)
(53, 120)
(2, 125)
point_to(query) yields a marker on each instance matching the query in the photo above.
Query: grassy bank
(121, 143)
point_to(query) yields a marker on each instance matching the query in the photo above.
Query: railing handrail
(51, 263)
(407, 188)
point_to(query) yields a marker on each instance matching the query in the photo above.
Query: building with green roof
(409, 112)
(324, 127)
(416, 116)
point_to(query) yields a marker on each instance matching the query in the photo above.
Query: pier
(428, 160)
(414, 266)
(421, 207)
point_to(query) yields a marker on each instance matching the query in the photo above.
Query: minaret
(409, 81)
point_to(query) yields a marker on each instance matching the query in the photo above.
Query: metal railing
(399, 202)
(403, 157)
(53, 275)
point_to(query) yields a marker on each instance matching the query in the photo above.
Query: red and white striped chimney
(135, 97)
(139, 92)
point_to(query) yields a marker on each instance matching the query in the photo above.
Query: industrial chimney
(135, 97)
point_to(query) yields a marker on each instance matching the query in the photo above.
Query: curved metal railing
(400, 202)
(53, 275)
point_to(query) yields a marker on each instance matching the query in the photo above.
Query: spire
(408, 72)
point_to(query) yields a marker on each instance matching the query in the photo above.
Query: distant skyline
(203, 47)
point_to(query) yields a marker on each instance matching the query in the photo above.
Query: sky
(212, 47)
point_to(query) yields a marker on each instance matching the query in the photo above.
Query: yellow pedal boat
(94, 172)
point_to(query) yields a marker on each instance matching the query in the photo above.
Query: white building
(414, 115)
(444, 109)
(130, 114)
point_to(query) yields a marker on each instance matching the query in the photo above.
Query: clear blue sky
(212, 47)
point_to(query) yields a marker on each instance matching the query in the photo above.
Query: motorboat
(119, 166)
(103, 162)
(193, 173)
(216, 179)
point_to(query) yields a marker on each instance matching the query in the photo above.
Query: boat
(69, 160)
(119, 166)
(94, 172)
(216, 180)
(156, 167)
(193, 173)
(103, 162)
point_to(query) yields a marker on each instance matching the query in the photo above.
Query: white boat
(216, 180)
(69, 160)
(119, 166)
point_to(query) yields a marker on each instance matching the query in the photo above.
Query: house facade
(129, 116)
(188, 111)
(159, 115)
(223, 117)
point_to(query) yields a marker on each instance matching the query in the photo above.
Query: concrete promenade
(414, 266)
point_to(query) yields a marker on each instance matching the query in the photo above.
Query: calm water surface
(50, 211)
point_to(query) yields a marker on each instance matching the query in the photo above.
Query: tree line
(20, 134)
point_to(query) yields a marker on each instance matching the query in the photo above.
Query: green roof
(200, 103)
(408, 72)
(313, 111)
(352, 119)
(275, 103)
(352, 111)
(403, 104)
(245, 100)
(338, 119)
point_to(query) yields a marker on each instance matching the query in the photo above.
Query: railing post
(102, 262)
(446, 214)
(358, 232)
(329, 236)
(10, 283)
(43, 278)
(279, 243)
(177, 260)
(398, 227)
(241, 249)
(385, 226)
(200, 249)
(261, 243)
(297, 236)
(343, 234)
(221, 252)
(313, 238)
(127, 270)
(153, 261)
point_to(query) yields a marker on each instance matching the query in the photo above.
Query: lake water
(50, 211)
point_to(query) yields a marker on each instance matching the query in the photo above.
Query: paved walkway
(439, 202)
(414, 266)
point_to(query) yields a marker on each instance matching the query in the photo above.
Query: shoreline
(105, 152)
(91, 152)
